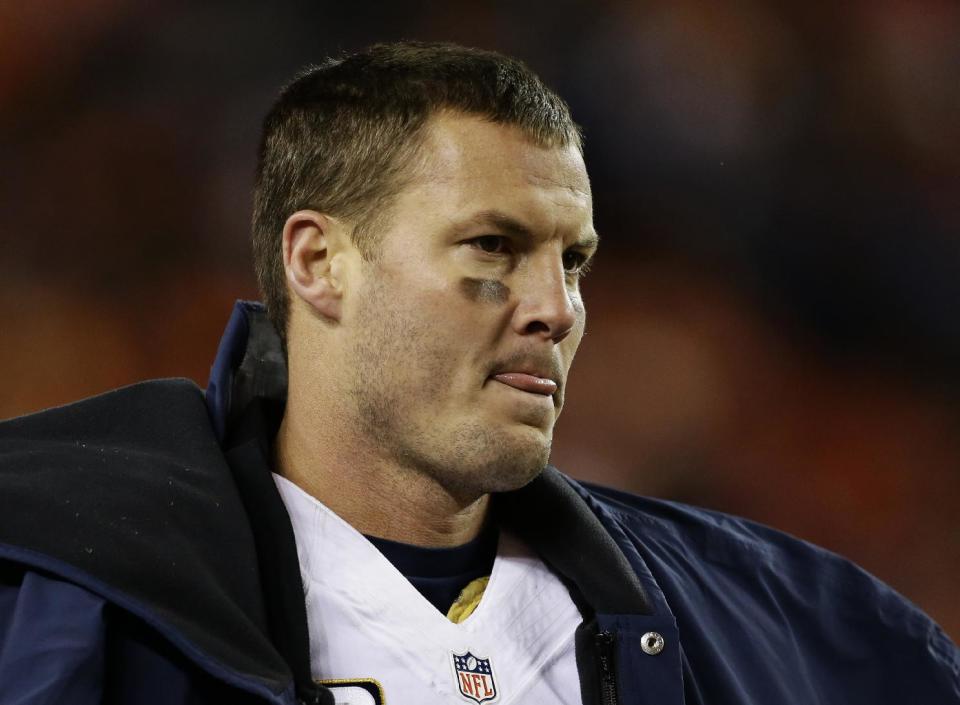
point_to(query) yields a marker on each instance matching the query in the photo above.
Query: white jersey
(375, 639)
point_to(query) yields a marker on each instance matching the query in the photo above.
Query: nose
(548, 307)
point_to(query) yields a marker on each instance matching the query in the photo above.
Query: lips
(527, 382)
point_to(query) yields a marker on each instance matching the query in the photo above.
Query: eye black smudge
(485, 290)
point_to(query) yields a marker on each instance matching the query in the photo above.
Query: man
(357, 511)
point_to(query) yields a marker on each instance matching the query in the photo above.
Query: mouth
(526, 382)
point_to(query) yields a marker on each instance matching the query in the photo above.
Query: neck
(375, 496)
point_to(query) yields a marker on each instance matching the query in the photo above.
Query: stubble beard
(468, 458)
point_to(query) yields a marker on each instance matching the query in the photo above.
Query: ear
(312, 243)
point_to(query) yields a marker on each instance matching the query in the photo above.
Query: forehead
(470, 164)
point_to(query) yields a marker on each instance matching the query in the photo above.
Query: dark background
(773, 314)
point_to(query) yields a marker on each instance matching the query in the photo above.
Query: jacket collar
(250, 364)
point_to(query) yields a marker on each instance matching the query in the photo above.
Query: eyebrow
(511, 226)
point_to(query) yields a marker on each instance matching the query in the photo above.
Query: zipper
(608, 677)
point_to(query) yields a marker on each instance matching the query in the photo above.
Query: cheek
(434, 337)
(576, 301)
(571, 343)
(426, 332)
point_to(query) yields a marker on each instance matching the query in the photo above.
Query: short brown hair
(341, 135)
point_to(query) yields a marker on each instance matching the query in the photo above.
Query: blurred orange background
(773, 324)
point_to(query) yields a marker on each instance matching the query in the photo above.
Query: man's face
(463, 327)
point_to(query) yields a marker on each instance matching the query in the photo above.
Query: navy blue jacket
(145, 557)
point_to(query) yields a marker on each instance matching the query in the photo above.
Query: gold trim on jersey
(358, 682)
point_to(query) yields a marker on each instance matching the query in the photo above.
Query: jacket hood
(129, 495)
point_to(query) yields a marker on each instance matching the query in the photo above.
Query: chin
(481, 460)
(513, 475)
(509, 463)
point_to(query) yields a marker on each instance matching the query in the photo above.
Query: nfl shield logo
(474, 678)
